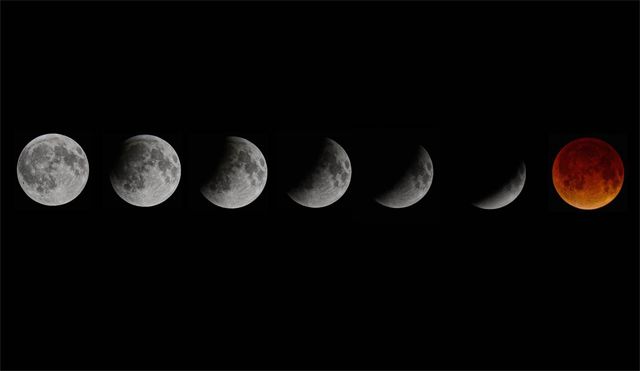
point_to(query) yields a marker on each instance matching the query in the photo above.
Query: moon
(413, 185)
(147, 171)
(588, 173)
(53, 169)
(327, 180)
(507, 193)
(239, 175)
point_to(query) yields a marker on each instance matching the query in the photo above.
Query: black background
(98, 283)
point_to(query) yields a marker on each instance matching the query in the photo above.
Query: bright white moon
(53, 169)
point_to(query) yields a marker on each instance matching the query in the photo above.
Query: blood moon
(588, 173)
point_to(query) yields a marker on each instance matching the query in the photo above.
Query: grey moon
(327, 181)
(147, 171)
(53, 169)
(507, 193)
(412, 186)
(240, 176)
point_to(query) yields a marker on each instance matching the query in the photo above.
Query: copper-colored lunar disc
(588, 173)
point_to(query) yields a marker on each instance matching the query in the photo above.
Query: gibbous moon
(239, 175)
(412, 186)
(327, 180)
(588, 173)
(506, 194)
(53, 169)
(147, 171)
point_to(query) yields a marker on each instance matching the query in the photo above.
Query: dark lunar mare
(69, 158)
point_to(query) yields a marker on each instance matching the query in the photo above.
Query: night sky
(100, 284)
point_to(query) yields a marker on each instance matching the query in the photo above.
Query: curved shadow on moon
(147, 171)
(327, 180)
(506, 194)
(412, 186)
(239, 175)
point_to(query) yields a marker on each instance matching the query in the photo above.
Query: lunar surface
(506, 194)
(147, 171)
(588, 173)
(239, 176)
(327, 180)
(53, 169)
(413, 185)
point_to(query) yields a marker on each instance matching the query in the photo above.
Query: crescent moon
(413, 185)
(507, 193)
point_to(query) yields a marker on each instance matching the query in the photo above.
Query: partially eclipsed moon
(327, 180)
(506, 194)
(588, 173)
(53, 169)
(239, 176)
(413, 185)
(147, 171)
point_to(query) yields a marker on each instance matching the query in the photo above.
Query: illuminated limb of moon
(507, 193)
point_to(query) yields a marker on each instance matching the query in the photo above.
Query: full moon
(505, 194)
(239, 175)
(588, 173)
(53, 169)
(327, 180)
(413, 185)
(147, 171)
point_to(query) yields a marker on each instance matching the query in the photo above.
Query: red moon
(588, 173)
